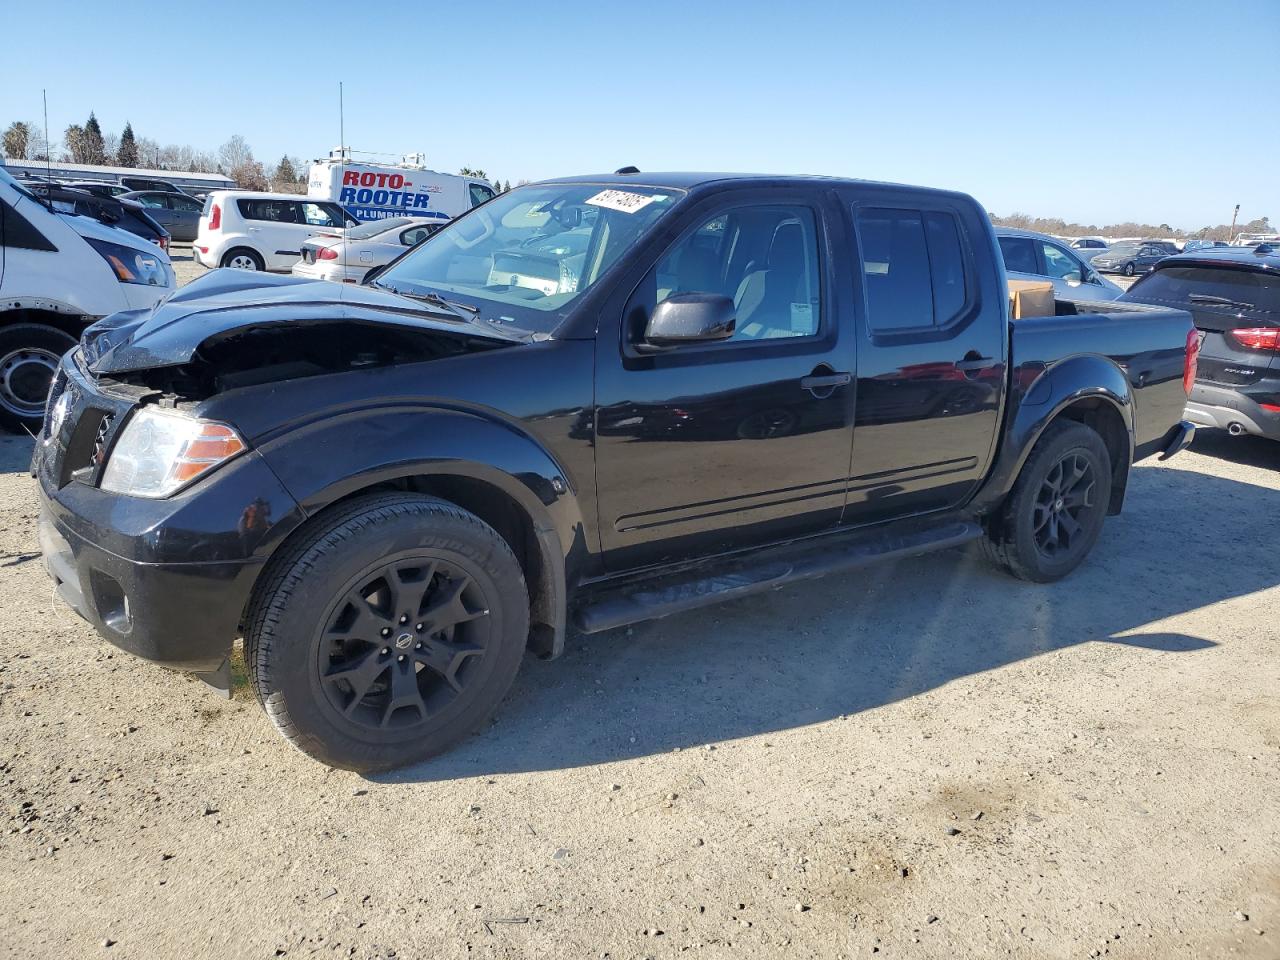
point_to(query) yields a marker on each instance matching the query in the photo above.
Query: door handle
(971, 362)
(825, 382)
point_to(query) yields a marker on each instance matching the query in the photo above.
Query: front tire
(242, 258)
(29, 358)
(1054, 515)
(1129, 269)
(388, 633)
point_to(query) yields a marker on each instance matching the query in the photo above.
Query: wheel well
(72, 324)
(1102, 417)
(227, 254)
(511, 521)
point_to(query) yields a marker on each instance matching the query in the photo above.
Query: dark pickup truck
(590, 402)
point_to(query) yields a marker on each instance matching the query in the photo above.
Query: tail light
(215, 218)
(1191, 360)
(1258, 338)
(326, 253)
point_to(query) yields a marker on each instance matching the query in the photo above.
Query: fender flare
(411, 446)
(1084, 381)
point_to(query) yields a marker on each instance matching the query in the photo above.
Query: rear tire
(388, 633)
(29, 358)
(1054, 515)
(242, 258)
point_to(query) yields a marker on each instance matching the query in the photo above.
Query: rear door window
(1019, 254)
(272, 211)
(913, 268)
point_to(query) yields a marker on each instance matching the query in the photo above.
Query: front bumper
(166, 580)
(184, 616)
(1229, 409)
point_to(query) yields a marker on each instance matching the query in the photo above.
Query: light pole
(1236, 213)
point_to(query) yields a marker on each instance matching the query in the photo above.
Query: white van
(376, 191)
(262, 231)
(59, 272)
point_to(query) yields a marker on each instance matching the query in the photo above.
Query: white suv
(59, 272)
(262, 231)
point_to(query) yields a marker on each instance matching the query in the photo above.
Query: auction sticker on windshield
(621, 200)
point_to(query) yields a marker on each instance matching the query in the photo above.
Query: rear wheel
(29, 357)
(242, 258)
(389, 633)
(1053, 517)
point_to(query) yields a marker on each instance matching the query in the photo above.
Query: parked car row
(119, 211)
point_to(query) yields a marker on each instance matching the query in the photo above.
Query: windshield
(372, 228)
(526, 255)
(1125, 248)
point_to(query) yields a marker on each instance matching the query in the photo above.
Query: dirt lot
(925, 760)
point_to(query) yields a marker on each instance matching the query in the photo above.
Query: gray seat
(764, 297)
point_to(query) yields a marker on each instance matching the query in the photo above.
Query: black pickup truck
(591, 402)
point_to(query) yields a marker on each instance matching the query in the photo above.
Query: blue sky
(1100, 112)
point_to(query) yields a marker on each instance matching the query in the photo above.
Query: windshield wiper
(1219, 301)
(463, 311)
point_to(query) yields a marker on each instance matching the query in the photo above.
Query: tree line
(88, 143)
(1063, 228)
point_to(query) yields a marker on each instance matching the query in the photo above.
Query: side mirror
(691, 318)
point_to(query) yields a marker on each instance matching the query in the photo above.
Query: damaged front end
(232, 329)
(155, 402)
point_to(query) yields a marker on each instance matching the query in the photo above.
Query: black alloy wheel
(400, 645)
(1054, 514)
(1066, 494)
(387, 630)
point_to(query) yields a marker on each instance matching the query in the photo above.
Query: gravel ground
(834, 769)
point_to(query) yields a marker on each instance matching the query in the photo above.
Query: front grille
(101, 439)
(86, 425)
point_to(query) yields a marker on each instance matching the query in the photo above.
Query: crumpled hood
(225, 302)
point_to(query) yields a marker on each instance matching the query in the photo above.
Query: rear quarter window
(17, 232)
(272, 211)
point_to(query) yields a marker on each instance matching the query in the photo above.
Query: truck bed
(1147, 343)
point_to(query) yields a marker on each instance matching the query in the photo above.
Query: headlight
(161, 451)
(130, 265)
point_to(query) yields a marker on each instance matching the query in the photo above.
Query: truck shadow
(850, 643)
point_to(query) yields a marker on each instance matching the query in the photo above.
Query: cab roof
(691, 181)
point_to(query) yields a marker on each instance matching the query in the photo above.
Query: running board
(661, 596)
